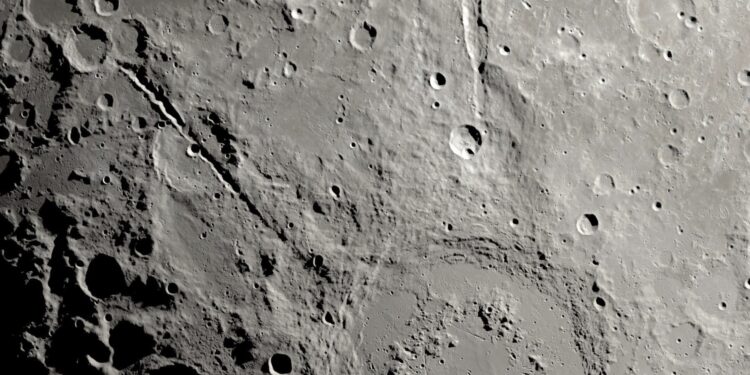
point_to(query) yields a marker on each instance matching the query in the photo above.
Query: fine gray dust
(374, 187)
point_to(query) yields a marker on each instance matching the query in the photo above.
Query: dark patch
(27, 305)
(56, 218)
(223, 137)
(242, 266)
(70, 345)
(281, 363)
(267, 264)
(592, 220)
(152, 292)
(370, 30)
(27, 366)
(124, 233)
(353, 213)
(244, 352)
(168, 351)
(62, 266)
(77, 304)
(143, 37)
(104, 277)
(10, 249)
(287, 14)
(124, 184)
(6, 226)
(26, 230)
(9, 81)
(62, 73)
(11, 167)
(317, 264)
(92, 31)
(226, 175)
(142, 203)
(130, 343)
(317, 208)
(79, 177)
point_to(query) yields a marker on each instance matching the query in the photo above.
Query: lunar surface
(374, 187)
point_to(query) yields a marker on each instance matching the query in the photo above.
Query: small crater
(194, 150)
(465, 141)
(304, 14)
(105, 101)
(22, 114)
(8, 81)
(678, 99)
(4, 133)
(20, 48)
(600, 302)
(289, 69)
(106, 8)
(691, 22)
(587, 224)
(743, 77)
(10, 250)
(668, 55)
(681, 340)
(130, 37)
(104, 277)
(143, 245)
(280, 364)
(317, 261)
(505, 50)
(74, 136)
(152, 292)
(438, 81)
(172, 288)
(72, 347)
(604, 184)
(88, 47)
(362, 37)
(668, 155)
(218, 24)
(335, 191)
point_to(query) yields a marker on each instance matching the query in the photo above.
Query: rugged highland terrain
(374, 187)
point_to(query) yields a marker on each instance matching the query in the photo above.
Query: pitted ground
(313, 187)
